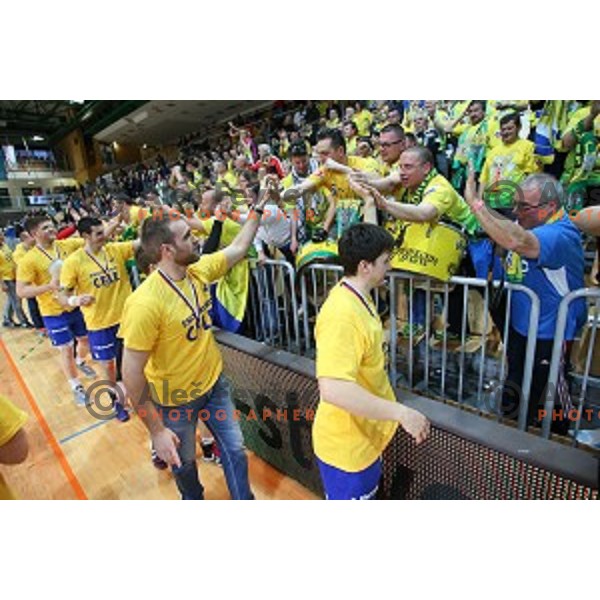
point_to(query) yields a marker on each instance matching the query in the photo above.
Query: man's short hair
(298, 149)
(424, 154)
(32, 223)
(336, 137)
(352, 124)
(549, 187)
(363, 241)
(514, 117)
(481, 103)
(86, 223)
(395, 129)
(155, 233)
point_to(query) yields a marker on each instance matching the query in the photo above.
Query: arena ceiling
(124, 121)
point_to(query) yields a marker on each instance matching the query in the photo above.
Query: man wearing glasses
(545, 255)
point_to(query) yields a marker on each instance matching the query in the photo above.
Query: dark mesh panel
(446, 467)
(283, 440)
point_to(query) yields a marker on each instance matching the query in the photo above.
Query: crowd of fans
(326, 165)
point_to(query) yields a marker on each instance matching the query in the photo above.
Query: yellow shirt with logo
(337, 183)
(185, 361)
(12, 420)
(34, 267)
(109, 284)
(509, 163)
(447, 201)
(349, 341)
(8, 267)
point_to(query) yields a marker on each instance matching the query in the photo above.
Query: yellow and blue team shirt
(349, 339)
(34, 267)
(105, 277)
(183, 353)
(8, 267)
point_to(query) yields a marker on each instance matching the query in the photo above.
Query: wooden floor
(73, 455)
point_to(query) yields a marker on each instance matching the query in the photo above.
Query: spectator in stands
(268, 161)
(545, 255)
(351, 136)
(507, 164)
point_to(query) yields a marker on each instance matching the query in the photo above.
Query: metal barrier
(486, 392)
(430, 361)
(557, 358)
(273, 304)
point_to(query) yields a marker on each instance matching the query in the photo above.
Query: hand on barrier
(166, 442)
(415, 424)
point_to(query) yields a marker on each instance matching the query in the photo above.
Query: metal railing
(273, 304)
(590, 294)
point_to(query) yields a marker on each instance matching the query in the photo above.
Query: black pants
(512, 391)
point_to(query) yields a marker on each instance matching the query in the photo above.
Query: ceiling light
(145, 146)
(37, 138)
(31, 183)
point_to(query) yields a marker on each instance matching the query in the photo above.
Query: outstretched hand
(471, 186)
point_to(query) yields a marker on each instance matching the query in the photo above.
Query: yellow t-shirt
(448, 202)
(185, 361)
(363, 120)
(509, 163)
(326, 178)
(19, 252)
(229, 178)
(12, 420)
(349, 341)
(34, 267)
(351, 145)
(107, 280)
(8, 268)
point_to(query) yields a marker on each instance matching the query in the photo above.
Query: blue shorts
(63, 328)
(103, 343)
(342, 485)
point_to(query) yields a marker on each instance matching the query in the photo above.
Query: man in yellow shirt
(95, 278)
(38, 276)
(13, 441)
(333, 175)
(351, 136)
(172, 367)
(507, 164)
(23, 247)
(358, 413)
(8, 269)
(363, 119)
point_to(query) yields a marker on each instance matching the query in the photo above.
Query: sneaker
(158, 462)
(87, 370)
(9, 324)
(41, 332)
(26, 325)
(80, 396)
(121, 412)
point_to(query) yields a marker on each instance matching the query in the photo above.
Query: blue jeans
(216, 410)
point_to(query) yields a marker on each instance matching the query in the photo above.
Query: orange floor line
(62, 459)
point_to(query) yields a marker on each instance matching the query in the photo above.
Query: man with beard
(172, 367)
